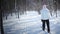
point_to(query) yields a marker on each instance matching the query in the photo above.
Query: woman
(45, 15)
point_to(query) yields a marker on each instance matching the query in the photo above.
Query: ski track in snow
(29, 24)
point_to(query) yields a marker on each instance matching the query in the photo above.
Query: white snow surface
(30, 23)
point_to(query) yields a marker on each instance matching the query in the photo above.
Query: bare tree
(55, 7)
(1, 22)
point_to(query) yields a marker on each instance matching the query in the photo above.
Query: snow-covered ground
(29, 23)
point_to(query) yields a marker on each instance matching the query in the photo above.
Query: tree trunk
(1, 23)
(6, 17)
(56, 13)
(11, 13)
(18, 14)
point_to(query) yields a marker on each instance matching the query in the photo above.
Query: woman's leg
(43, 25)
(48, 26)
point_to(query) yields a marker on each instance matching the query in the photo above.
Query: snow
(29, 23)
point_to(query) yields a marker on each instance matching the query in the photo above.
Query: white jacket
(45, 14)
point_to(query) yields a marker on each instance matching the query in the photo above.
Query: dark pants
(47, 23)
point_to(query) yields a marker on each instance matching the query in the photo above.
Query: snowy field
(30, 23)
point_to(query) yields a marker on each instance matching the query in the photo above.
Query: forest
(21, 6)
